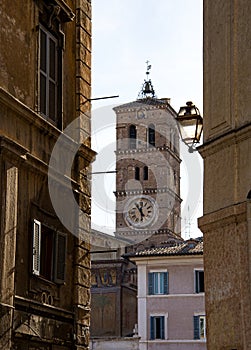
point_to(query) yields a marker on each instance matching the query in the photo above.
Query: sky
(126, 34)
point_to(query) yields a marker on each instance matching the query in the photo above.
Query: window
(137, 173)
(145, 173)
(49, 75)
(132, 136)
(199, 281)
(151, 135)
(157, 327)
(199, 327)
(49, 252)
(158, 283)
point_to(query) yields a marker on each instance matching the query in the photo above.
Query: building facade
(44, 86)
(227, 168)
(113, 290)
(171, 310)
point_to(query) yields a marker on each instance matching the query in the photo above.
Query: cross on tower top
(148, 67)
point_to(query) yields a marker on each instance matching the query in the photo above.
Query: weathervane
(148, 67)
(147, 90)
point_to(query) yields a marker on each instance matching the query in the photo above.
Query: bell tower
(148, 170)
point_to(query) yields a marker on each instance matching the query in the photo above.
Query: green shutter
(152, 328)
(150, 283)
(36, 246)
(196, 323)
(60, 257)
(162, 327)
(166, 284)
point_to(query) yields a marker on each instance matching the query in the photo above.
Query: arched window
(132, 136)
(145, 173)
(151, 135)
(136, 173)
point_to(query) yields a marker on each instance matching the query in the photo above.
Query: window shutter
(150, 283)
(152, 330)
(162, 327)
(166, 286)
(196, 323)
(36, 246)
(196, 282)
(60, 257)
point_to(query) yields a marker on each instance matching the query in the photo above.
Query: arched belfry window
(145, 173)
(132, 136)
(137, 173)
(151, 135)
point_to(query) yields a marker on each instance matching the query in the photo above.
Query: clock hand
(140, 211)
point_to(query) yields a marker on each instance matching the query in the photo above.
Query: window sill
(175, 295)
(188, 341)
(46, 281)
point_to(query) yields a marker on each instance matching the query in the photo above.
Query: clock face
(141, 114)
(140, 211)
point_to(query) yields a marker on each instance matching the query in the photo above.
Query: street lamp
(190, 124)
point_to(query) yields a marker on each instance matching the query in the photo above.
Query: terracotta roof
(189, 247)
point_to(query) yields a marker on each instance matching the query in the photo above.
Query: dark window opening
(199, 281)
(47, 248)
(157, 327)
(145, 173)
(137, 173)
(151, 135)
(132, 136)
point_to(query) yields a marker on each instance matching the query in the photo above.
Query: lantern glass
(190, 124)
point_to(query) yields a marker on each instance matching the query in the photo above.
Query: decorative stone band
(148, 149)
(143, 232)
(147, 191)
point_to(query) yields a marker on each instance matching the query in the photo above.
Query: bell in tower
(147, 90)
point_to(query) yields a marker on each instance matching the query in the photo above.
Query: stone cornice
(35, 307)
(149, 104)
(235, 213)
(143, 232)
(227, 139)
(28, 114)
(149, 150)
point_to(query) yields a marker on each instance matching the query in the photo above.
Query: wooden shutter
(150, 283)
(166, 284)
(36, 246)
(60, 257)
(196, 323)
(152, 327)
(162, 327)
